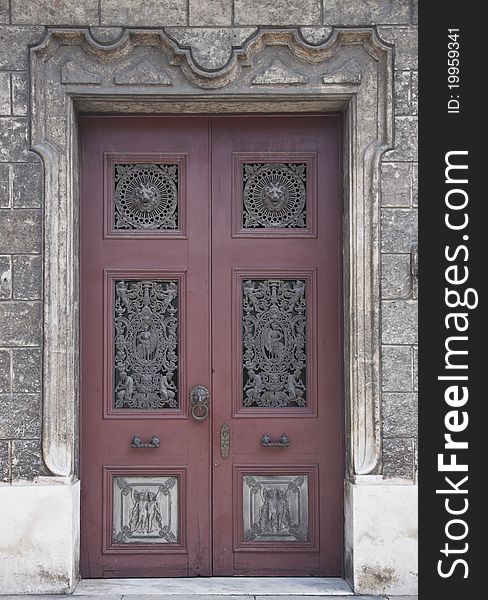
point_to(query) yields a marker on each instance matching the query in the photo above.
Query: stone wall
(211, 28)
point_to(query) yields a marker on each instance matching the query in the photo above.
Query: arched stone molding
(272, 70)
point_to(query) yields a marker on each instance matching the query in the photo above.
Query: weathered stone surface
(27, 277)
(415, 12)
(21, 323)
(399, 321)
(148, 13)
(415, 369)
(406, 140)
(366, 12)
(396, 184)
(4, 11)
(27, 463)
(4, 186)
(398, 457)
(73, 72)
(277, 12)
(106, 35)
(397, 369)
(399, 414)
(61, 12)
(20, 92)
(315, 35)
(399, 229)
(279, 74)
(403, 93)
(4, 461)
(415, 184)
(5, 363)
(5, 277)
(405, 40)
(20, 416)
(211, 48)
(20, 231)
(14, 45)
(415, 92)
(210, 12)
(5, 108)
(27, 185)
(396, 281)
(14, 145)
(144, 73)
(26, 367)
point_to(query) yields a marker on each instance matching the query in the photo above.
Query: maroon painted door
(211, 346)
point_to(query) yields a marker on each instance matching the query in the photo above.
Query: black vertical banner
(452, 328)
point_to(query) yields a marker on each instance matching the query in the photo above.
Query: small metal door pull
(138, 443)
(199, 399)
(267, 442)
(224, 441)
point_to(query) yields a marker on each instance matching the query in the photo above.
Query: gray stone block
(406, 140)
(106, 35)
(20, 416)
(4, 186)
(399, 322)
(20, 231)
(5, 367)
(315, 35)
(27, 277)
(147, 13)
(14, 46)
(399, 229)
(277, 12)
(415, 92)
(211, 47)
(396, 280)
(398, 458)
(14, 144)
(372, 12)
(405, 40)
(20, 93)
(415, 12)
(61, 12)
(396, 184)
(27, 372)
(5, 107)
(400, 414)
(4, 461)
(403, 93)
(211, 12)
(415, 184)
(415, 369)
(5, 277)
(27, 463)
(397, 369)
(4, 11)
(21, 323)
(27, 182)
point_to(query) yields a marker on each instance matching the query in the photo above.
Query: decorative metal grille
(274, 195)
(146, 196)
(275, 508)
(274, 343)
(145, 510)
(146, 344)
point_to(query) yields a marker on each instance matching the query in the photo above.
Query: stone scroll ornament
(146, 344)
(146, 196)
(274, 343)
(274, 195)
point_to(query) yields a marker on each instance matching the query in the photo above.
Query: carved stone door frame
(146, 71)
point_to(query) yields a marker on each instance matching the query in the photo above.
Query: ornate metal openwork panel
(146, 196)
(145, 510)
(274, 343)
(275, 508)
(146, 344)
(274, 195)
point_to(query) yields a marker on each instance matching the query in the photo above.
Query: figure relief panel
(146, 323)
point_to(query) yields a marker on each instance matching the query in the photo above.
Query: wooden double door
(211, 346)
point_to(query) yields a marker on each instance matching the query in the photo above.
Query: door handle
(154, 442)
(267, 442)
(199, 400)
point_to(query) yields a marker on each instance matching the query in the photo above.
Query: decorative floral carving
(146, 196)
(274, 343)
(274, 195)
(276, 508)
(146, 342)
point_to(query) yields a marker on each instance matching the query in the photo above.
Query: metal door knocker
(199, 400)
